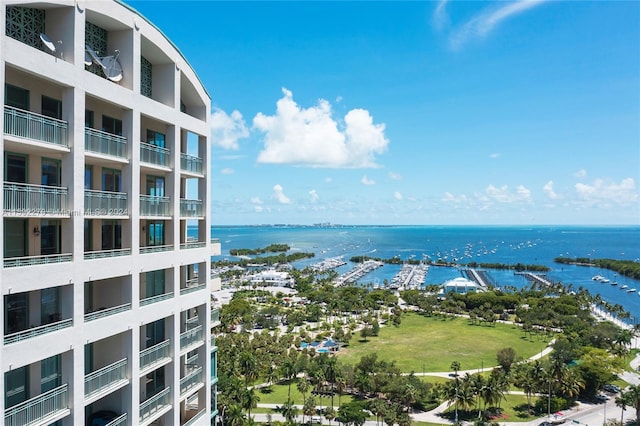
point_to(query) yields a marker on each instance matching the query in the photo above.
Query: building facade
(105, 281)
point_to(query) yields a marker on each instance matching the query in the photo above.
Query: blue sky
(449, 112)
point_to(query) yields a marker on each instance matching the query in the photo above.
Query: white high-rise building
(106, 307)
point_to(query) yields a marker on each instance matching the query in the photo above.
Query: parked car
(101, 418)
(602, 397)
(611, 388)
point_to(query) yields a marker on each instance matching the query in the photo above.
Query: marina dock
(327, 264)
(536, 278)
(478, 276)
(410, 277)
(359, 271)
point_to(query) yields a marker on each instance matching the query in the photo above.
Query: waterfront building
(105, 280)
(271, 277)
(461, 286)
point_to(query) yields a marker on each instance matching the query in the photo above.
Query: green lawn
(513, 406)
(278, 395)
(433, 344)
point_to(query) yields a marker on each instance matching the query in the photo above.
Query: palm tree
(249, 400)
(303, 386)
(289, 411)
(377, 407)
(409, 396)
(234, 416)
(329, 414)
(455, 366)
(621, 401)
(632, 395)
(288, 370)
(309, 407)
(247, 367)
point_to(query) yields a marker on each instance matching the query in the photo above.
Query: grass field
(432, 344)
(278, 395)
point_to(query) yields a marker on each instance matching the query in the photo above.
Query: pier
(410, 277)
(478, 276)
(329, 263)
(536, 278)
(359, 271)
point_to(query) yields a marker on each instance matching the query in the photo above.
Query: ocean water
(508, 245)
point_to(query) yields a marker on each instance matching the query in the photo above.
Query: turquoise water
(509, 245)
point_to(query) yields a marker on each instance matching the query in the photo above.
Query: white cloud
(398, 196)
(605, 192)
(278, 193)
(394, 176)
(226, 129)
(258, 209)
(227, 171)
(440, 16)
(366, 181)
(503, 195)
(549, 191)
(581, 174)
(450, 198)
(256, 200)
(338, 99)
(494, 155)
(328, 180)
(485, 22)
(314, 196)
(312, 137)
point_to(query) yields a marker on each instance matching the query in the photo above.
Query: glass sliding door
(50, 236)
(15, 238)
(111, 235)
(16, 312)
(16, 386)
(51, 173)
(111, 180)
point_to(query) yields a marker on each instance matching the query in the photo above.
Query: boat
(624, 286)
(614, 283)
(605, 280)
(631, 290)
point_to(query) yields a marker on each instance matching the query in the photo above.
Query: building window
(16, 386)
(111, 235)
(16, 312)
(49, 305)
(51, 174)
(50, 373)
(50, 236)
(154, 332)
(88, 235)
(51, 107)
(146, 77)
(155, 233)
(16, 97)
(25, 24)
(15, 168)
(154, 281)
(88, 119)
(155, 186)
(111, 180)
(111, 125)
(155, 138)
(15, 238)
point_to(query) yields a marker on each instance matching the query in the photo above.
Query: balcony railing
(156, 249)
(190, 380)
(215, 316)
(155, 354)
(155, 299)
(155, 206)
(155, 155)
(192, 244)
(34, 200)
(104, 143)
(105, 203)
(191, 338)
(191, 208)
(29, 125)
(106, 312)
(103, 254)
(37, 331)
(193, 420)
(192, 285)
(34, 410)
(105, 377)
(14, 262)
(121, 420)
(155, 404)
(191, 164)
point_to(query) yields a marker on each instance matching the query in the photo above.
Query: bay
(491, 244)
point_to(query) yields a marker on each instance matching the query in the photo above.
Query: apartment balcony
(155, 406)
(155, 299)
(191, 208)
(191, 164)
(155, 356)
(107, 312)
(216, 247)
(103, 143)
(191, 339)
(108, 378)
(192, 285)
(156, 249)
(45, 408)
(152, 206)
(191, 381)
(155, 155)
(192, 245)
(121, 420)
(103, 254)
(26, 200)
(215, 317)
(36, 127)
(15, 262)
(105, 203)
(32, 332)
(193, 420)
